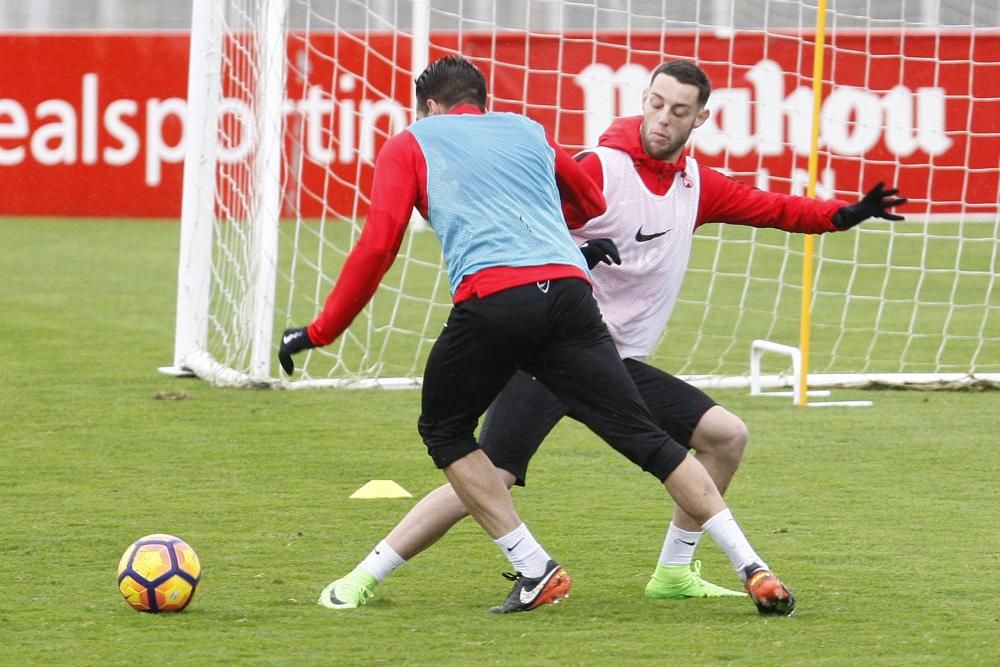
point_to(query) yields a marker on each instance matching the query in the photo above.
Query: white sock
(679, 546)
(524, 552)
(727, 534)
(382, 560)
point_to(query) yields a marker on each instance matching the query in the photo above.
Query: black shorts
(554, 331)
(525, 412)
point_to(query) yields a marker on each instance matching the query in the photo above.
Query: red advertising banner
(93, 124)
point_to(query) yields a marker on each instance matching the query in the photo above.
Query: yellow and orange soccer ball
(159, 573)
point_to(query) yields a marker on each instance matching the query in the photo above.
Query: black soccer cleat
(531, 593)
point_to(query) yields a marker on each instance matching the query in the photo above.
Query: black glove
(292, 341)
(873, 205)
(596, 251)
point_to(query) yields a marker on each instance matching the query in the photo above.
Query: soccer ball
(158, 573)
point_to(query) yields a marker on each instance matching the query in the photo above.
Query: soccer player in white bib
(656, 198)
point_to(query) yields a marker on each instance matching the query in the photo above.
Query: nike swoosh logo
(690, 544)
(527, 596)
(288, 338)
(640, 237)
(514, 546)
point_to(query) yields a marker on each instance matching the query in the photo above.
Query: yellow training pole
(805, 317)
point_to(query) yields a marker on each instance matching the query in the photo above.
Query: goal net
(290, 101)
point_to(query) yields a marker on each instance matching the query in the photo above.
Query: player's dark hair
(688, 73)
(450, 81)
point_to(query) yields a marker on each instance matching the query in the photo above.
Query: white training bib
(654, 235)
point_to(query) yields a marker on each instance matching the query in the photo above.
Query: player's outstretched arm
(875, 204)
(393, 196)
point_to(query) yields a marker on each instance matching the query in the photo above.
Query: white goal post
(289, 101)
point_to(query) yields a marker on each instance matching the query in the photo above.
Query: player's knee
(509, 478)
(445, 453)
(662, 461)
(444, 444)
(722, 434)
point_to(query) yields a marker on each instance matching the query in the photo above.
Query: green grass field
(883, 520)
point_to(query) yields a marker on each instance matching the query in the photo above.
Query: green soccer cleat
(351, 592)
(682, 581)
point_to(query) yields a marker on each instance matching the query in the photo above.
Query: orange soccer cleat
(768, 592)
(531, 593)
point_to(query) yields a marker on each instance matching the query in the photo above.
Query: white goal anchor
(759, 347)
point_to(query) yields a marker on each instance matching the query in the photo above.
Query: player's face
(670, 112)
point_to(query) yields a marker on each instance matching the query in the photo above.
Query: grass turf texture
(883, 520)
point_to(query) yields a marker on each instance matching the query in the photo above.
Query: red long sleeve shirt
(722, 198)
(400, 184)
